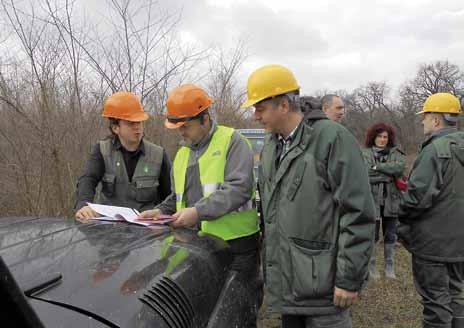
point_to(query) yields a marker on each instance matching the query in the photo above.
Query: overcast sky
(328, 44)
(332, 44)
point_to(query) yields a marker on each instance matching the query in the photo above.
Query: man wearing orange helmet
(130, 170)
(213, 182)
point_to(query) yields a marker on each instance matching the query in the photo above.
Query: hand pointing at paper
(151, 214)
(86, 213)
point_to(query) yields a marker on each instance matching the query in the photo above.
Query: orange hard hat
(124, 106)
(185, 102)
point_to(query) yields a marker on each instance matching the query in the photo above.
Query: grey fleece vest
(142, 192)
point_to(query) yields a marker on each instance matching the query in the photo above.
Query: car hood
(101, 269)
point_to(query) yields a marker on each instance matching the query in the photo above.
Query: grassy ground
(384, 303)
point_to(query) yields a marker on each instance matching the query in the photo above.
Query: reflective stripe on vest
(240, 223)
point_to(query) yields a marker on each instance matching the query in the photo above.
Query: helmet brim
(136, 117)
(171, 125)
(249, 103)
(425, 111)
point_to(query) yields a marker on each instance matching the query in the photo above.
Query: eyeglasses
(181, 119)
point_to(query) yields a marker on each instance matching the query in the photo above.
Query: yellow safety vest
(212, 163)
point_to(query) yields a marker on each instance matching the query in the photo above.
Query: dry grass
(384, 303)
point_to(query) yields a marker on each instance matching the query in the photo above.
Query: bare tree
(52, 90)
(440, 76)
(224, 86)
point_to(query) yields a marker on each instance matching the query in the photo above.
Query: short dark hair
(374, 130)
(201, 116)
(112, 121)
(450, 119)
(327, 100)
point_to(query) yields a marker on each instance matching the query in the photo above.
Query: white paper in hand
(117, 214)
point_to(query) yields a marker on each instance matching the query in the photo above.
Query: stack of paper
(125, 214)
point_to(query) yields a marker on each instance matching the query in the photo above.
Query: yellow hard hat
(269, 81)
(441, 103)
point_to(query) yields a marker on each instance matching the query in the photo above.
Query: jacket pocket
(146, 190)
(313, 269)
(107, 182)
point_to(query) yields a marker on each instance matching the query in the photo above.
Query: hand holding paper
(121, 214)
(155, 216)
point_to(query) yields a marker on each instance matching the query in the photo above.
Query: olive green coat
(319, 218)
(382, 180)
(432, 210)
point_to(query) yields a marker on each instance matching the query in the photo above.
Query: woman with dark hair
(385, 163)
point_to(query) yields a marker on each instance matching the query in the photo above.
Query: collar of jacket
(300, 143)
(118, 146)
(206, 139)
(315, 114)
(438, 134)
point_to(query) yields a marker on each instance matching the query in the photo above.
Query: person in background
(385, 163)
(432, 214)
(333, 107)
(128, 170)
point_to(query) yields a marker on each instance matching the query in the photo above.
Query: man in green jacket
(432, 214)
(317, 207)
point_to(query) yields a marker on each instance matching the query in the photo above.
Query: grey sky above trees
(331, 44)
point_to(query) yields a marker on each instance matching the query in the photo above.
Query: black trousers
(441, 286)
(338, 320)
(246, 262)
(388, 230)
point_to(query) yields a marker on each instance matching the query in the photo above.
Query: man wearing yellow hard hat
(130, 170)
(213, 186)
(432, 214)
(317, 207)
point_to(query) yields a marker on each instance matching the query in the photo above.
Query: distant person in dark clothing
(432, 214)
(385, 163)
(333, 107)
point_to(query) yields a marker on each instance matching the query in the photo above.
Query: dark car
(62, 273)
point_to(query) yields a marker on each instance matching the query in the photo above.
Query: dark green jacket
(382, 179)
(432, 210)
(319, 218)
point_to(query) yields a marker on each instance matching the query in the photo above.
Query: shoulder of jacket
(153, 152)
(329, 132)
(366, 150)
(442, 146)
(153, 146)
(105, 146)
(226, 130)
(397, 149)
